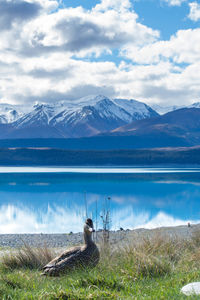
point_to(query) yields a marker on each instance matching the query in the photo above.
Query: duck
(76, 257)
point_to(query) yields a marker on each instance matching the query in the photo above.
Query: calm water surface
(57, 200)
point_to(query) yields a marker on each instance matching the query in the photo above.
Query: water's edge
(128, 236)
(98, 170)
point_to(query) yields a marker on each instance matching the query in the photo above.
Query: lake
(57, 200)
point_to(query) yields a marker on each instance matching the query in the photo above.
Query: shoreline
(98, 169)
(61, 240)
(85, 157)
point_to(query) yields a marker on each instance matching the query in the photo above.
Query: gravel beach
(116, 237)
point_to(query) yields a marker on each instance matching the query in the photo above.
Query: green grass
(153, 269)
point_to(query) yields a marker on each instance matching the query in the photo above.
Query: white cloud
(113, 4)
(38, 56)
(174, 2)
(82, 32)
(183, 47)
(168, 70)
(45, 53)
(152, 82)
(194, 14)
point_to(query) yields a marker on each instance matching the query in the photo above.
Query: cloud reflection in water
(15, 219)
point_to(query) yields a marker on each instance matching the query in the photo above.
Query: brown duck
(76, 257)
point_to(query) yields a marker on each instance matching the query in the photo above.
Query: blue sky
(53, 50)
(167, 19)
(153, 13)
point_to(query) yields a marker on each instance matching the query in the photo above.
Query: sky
(52, 50)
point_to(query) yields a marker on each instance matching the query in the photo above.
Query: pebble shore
(67, 240)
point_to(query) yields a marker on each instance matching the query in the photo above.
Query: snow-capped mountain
(8, 113)
(137, 110)
(161, 110)
(41, 115)
(194, 105)
(91, 119)
(86, 117)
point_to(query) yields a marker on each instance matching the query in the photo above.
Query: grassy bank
(152, 269)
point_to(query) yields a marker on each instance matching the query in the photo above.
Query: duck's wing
(66, 254)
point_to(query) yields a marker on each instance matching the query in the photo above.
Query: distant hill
(180, 126)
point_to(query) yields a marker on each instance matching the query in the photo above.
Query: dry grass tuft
(148, 257)
(152, 257)
(27, 257)
(196, 238)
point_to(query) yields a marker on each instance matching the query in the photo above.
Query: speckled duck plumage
(75, 257)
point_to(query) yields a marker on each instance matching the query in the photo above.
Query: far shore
(110, 157)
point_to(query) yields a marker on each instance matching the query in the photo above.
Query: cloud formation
(175, 2)
(13, 12)
(50, 53)
(82, 32)
(194, 14)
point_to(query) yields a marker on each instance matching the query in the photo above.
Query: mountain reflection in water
(55, 202)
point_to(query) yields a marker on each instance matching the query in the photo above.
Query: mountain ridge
(89, 118)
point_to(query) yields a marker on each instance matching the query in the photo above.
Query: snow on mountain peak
(165, 109)
(138, 110)
(8, 113)
(195, 105)
(83, 117)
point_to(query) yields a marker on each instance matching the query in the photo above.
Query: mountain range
(87, 117)
(98, 122)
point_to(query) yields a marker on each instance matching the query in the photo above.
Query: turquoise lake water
(56, 200)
